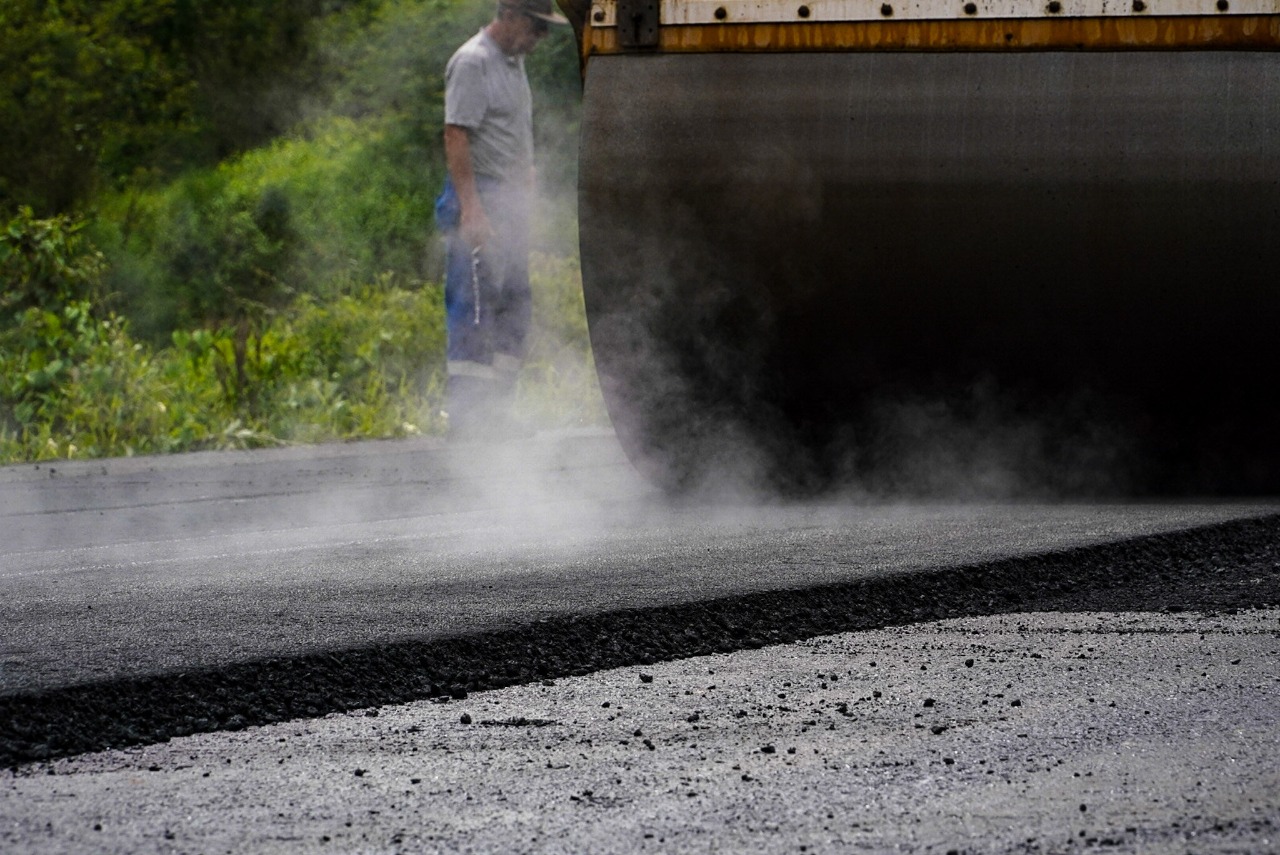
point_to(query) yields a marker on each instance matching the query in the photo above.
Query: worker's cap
(539, 9)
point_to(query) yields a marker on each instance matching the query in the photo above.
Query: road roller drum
(858, 243)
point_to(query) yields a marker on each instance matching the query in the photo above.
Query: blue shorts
(488, 309)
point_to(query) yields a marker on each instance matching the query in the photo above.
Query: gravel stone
(1150, 784)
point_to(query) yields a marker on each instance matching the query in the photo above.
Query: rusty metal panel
(1115, 33)
(605, 13)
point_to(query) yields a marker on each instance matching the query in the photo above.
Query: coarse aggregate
(1023, 732)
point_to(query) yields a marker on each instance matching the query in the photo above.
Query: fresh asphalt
(230, 602)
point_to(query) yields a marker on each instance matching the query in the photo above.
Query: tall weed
(369, 364)
(558, 386)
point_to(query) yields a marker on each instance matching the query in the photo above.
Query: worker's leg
(471, 384)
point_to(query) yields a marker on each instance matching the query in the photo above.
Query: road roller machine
(907, 244)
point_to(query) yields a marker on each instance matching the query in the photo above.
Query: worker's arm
(475, 226)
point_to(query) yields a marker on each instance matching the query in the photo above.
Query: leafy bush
(367, 364)
(185, 254)
(123, 89)
(45, 263)
(72, 383)
(75, 386)
(317, 214)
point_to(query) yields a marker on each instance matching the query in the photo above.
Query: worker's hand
(475, 227)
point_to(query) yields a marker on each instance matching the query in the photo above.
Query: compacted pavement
(419, 647)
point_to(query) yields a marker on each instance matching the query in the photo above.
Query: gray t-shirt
(487, 92)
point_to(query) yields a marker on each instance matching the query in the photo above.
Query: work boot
(469, 403)
(479, 410)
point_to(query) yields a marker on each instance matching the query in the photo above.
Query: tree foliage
(119, 89)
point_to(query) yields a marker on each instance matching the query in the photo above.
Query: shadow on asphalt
(1222, 567)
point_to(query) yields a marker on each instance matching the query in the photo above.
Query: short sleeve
(465, 100)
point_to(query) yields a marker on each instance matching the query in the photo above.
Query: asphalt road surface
(418, 647)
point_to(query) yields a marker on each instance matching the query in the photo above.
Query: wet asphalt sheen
(419, 647)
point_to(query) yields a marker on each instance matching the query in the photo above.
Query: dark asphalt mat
(1234, 565)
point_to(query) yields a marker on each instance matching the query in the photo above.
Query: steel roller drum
(801, 258)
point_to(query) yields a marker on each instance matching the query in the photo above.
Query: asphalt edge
(1223, 566)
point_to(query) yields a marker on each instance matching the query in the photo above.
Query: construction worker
(484, 212)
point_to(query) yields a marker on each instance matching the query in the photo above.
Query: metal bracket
(638, 23)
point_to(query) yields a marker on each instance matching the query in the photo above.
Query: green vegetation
(219, 225)
(105, 91)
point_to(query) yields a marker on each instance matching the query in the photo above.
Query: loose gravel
(1024, 732)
